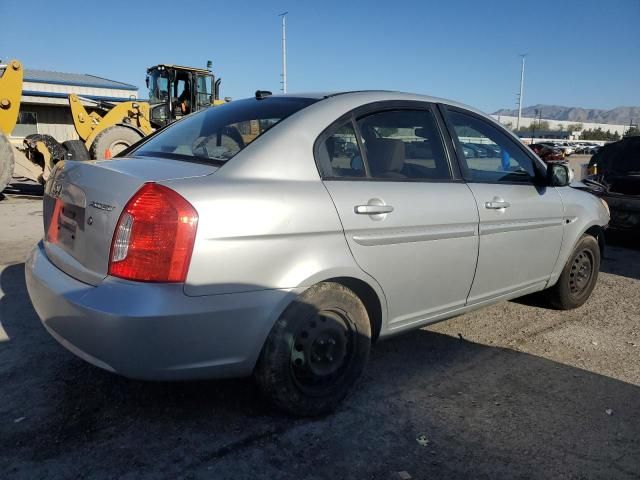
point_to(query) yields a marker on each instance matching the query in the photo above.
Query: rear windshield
(218, 133)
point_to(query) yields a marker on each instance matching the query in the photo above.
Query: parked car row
(547, 152)
(481, 150)
(557, 151)
(587, 148)
(569, 148)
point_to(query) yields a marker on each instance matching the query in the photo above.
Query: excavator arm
(10, 93)
(12, 161)
(90, 125)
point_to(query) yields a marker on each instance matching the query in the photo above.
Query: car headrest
(385, 155)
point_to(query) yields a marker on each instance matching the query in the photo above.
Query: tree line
(589, 134)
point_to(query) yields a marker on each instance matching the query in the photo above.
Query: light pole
(521, 91)
(283, 16)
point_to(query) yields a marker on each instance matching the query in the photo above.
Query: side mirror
(146, 80)
(559, 175)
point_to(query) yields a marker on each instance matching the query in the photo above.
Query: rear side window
(217, 134)
(342, 153)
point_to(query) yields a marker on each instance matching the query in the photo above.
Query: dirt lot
(511, 391)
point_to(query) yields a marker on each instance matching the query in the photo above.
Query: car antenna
(262, 94)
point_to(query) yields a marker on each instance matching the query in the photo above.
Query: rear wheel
(579, 276)
(112, 141)
(316, 351)
(76, 150)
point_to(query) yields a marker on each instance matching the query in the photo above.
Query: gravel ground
(510, 391)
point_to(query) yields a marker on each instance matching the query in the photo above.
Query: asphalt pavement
(510, 391)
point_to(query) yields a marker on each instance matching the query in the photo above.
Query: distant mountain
(618, 116)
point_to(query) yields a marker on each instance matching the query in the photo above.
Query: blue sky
(581, 53)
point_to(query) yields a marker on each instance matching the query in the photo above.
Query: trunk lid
(83, 201)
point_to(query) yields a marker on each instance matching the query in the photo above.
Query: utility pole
(521, 91)
(283, 16)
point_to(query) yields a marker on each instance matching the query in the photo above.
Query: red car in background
(547, 153)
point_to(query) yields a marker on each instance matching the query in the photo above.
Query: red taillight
(154, 237)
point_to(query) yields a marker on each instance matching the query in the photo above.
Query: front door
(521, 222)
(408, 222)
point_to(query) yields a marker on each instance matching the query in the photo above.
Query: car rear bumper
(153, 331)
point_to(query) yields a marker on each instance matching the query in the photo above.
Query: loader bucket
(13, 163)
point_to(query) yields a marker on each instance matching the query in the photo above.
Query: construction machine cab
(175, 91)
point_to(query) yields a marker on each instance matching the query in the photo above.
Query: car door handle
(496, 204)
(373, 209)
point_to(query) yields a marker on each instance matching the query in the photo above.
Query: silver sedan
(280, 236)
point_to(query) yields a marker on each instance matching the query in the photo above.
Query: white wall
(52, 120)
(554, 124)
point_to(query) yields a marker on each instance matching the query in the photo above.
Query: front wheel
(578, 277)
(316, 351)
(112, 141)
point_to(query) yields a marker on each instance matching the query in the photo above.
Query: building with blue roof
(44, 105)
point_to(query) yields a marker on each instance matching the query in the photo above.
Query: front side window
(488, 155)
(203, 90)
(216, 134)
(158, 84)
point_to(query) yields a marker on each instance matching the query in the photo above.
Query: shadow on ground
(485, 412)
(622, 255)
(23, 189)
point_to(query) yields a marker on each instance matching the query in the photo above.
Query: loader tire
(76, 150)
(114, 140)
(57, 151)
(6, 162)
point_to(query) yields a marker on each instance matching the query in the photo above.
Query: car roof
(302, 129)
(366, 96)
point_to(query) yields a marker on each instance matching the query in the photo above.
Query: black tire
(76, 150)
(316, 351)
(578, 277)
(56, 150)
(115, 139)
(6, 162)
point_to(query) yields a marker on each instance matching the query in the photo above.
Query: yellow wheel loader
(174, 91)
(12, 161)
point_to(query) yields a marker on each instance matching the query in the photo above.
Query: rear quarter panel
(264, 234)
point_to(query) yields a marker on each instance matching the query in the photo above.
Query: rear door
(410, 221)
(521, 221)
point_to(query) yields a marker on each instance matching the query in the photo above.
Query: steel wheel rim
(581, 272)
(322, 351)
